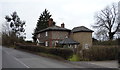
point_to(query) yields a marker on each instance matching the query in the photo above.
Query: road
(18, 59)
(12, 58)
(0, 57)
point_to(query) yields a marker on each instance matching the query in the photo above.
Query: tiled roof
(81, 29)
(54, 28)
(68, 41)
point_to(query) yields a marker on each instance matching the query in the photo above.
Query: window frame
(46, 33)
(46, 43)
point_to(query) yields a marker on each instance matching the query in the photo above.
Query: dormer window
(46, 33)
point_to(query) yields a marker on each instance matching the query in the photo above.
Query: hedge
(62, 52)
(101, 53)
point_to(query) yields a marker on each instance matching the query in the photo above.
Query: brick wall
(59, 34)
(53, 36)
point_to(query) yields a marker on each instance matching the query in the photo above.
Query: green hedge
(101, 53)
(114, 42)
(64, 53)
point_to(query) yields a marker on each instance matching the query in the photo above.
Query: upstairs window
(38, 35)
(46, 33)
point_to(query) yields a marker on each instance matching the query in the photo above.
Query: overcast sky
(72, 12)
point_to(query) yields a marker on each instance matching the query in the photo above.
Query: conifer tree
(42, 23)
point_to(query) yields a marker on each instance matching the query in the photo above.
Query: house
(51, 35)
(59, 34)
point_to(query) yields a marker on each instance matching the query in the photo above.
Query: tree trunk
(111, 35)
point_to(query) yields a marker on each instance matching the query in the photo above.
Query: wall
(59, 34)
(43, 37)
(53, 36)
(83, 38)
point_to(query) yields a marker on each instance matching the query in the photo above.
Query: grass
(74, 58)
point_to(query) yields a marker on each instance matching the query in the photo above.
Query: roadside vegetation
(13, 30)
(62, 52)
(101, 53)
(94, 53)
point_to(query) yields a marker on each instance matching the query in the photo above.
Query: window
(46, 33)
(46, 43)
(38, 35)
(66, 36)
(75, 46)
(86, 46)
(56, 43)
(38, 41)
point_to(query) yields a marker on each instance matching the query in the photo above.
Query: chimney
(50, 22)
(63, 25)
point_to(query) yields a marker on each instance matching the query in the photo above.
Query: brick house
(51, 35)
(54, 34)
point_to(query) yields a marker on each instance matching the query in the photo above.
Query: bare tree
(107, 22)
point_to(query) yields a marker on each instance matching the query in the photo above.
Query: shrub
(64, 53)
(101, 53)
(114, 42)
(119, 57)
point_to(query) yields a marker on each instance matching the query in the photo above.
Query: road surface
(0, 57)
(12, 58)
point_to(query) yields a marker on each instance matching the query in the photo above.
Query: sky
(72, 13)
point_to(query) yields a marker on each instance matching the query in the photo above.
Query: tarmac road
(12, 58)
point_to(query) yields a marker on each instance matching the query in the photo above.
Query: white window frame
(56, 43)
(46, 43)
(46, 33)
(86, 46)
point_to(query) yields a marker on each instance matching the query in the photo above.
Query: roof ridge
(55, 27)
(81, 29)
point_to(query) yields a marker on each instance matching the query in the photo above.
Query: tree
(14, 28)
(16, 24)
(106, 21)
(42, 23)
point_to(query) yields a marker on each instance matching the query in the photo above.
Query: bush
(119, 57)
(64, 53)
(113, 42)
(101, 53)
